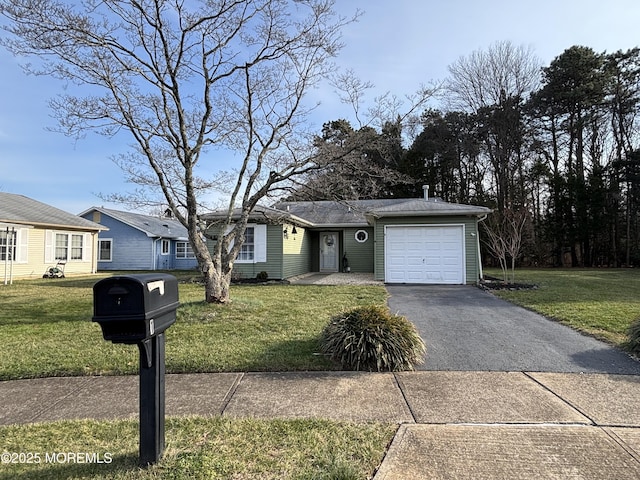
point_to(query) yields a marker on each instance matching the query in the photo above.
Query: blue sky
(395, 45)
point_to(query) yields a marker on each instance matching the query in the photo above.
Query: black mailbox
(135, 308)
(138, 309)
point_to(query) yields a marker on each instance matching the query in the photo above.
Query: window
(248, 247)
(104, 250)
(76, 247)
(361, 236)
(7, 245)
(165, 247)
(62, 246)
(69, 246)
(183, 250)
(254, 247)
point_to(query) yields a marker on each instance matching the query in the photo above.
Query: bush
(372, 338)
(634, 337)
(262, 276)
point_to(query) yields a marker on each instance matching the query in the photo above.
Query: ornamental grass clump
(373, 339)
(634, 337)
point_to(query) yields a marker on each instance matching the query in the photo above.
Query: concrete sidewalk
(452, 424)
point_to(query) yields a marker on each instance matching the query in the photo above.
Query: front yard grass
(599, 302)
(46, 329)
(198, 448)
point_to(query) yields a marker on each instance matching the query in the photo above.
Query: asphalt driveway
(468, 329)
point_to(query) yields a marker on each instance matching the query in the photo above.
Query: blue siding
(134, 250)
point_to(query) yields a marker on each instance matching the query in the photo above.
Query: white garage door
(424, 254)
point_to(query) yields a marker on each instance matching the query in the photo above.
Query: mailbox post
(137, 309)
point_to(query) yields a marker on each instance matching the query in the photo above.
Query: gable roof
(20, 210)
(362, 212)
(332, 213)
(260, 214)
(430, 208)
(153, 227)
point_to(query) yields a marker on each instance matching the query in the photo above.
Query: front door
(329, 249)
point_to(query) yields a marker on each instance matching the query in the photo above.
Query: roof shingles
(356, 212)
(21, 210)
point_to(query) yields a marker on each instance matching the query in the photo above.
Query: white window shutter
(87, 248)
(260, 243)
(23, 246)
(48, 246)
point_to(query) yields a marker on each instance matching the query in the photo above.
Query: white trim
(366, 236)
(22, 245)
(49, 249)
(87, 248)
(462, 226)
(259, 243)
(163, 242)
(110, 240)
(50, 246)
(187, 250)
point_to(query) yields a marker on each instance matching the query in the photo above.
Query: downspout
(154, 252)
(6, 258)
(481, 219)
(96, 252)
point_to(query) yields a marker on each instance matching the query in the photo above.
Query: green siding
(470, 233)
(360, 255)
(273, 265)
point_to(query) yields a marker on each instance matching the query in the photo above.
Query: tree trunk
(216, 272)
(216, 286)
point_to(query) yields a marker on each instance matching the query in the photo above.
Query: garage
(424, 254)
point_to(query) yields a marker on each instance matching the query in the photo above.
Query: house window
(104, 250)
(247, 251)
(69, 246)
(62, 246)
(164, 248)
(184, 250)
(76, 247)
(361, 236)
(7, 245)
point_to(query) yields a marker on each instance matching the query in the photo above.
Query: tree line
(556, 145)
(189, 82)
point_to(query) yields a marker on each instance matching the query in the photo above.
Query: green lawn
(46, 329)
(198, 448)
(599, 302)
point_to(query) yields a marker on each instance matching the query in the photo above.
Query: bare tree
(486, 77)
(183, 79)
(492, 85)
(505, 233)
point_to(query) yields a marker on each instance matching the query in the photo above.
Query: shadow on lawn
(291, 355)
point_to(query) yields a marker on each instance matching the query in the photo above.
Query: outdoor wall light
(294, 231)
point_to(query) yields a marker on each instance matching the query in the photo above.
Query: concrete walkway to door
(468, 329)
(316, 278)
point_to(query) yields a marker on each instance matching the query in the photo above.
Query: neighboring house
(405, 240)
(141, 242)
(35, 236)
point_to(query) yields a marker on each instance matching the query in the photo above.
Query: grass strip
(198, 448)
(599, 302)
